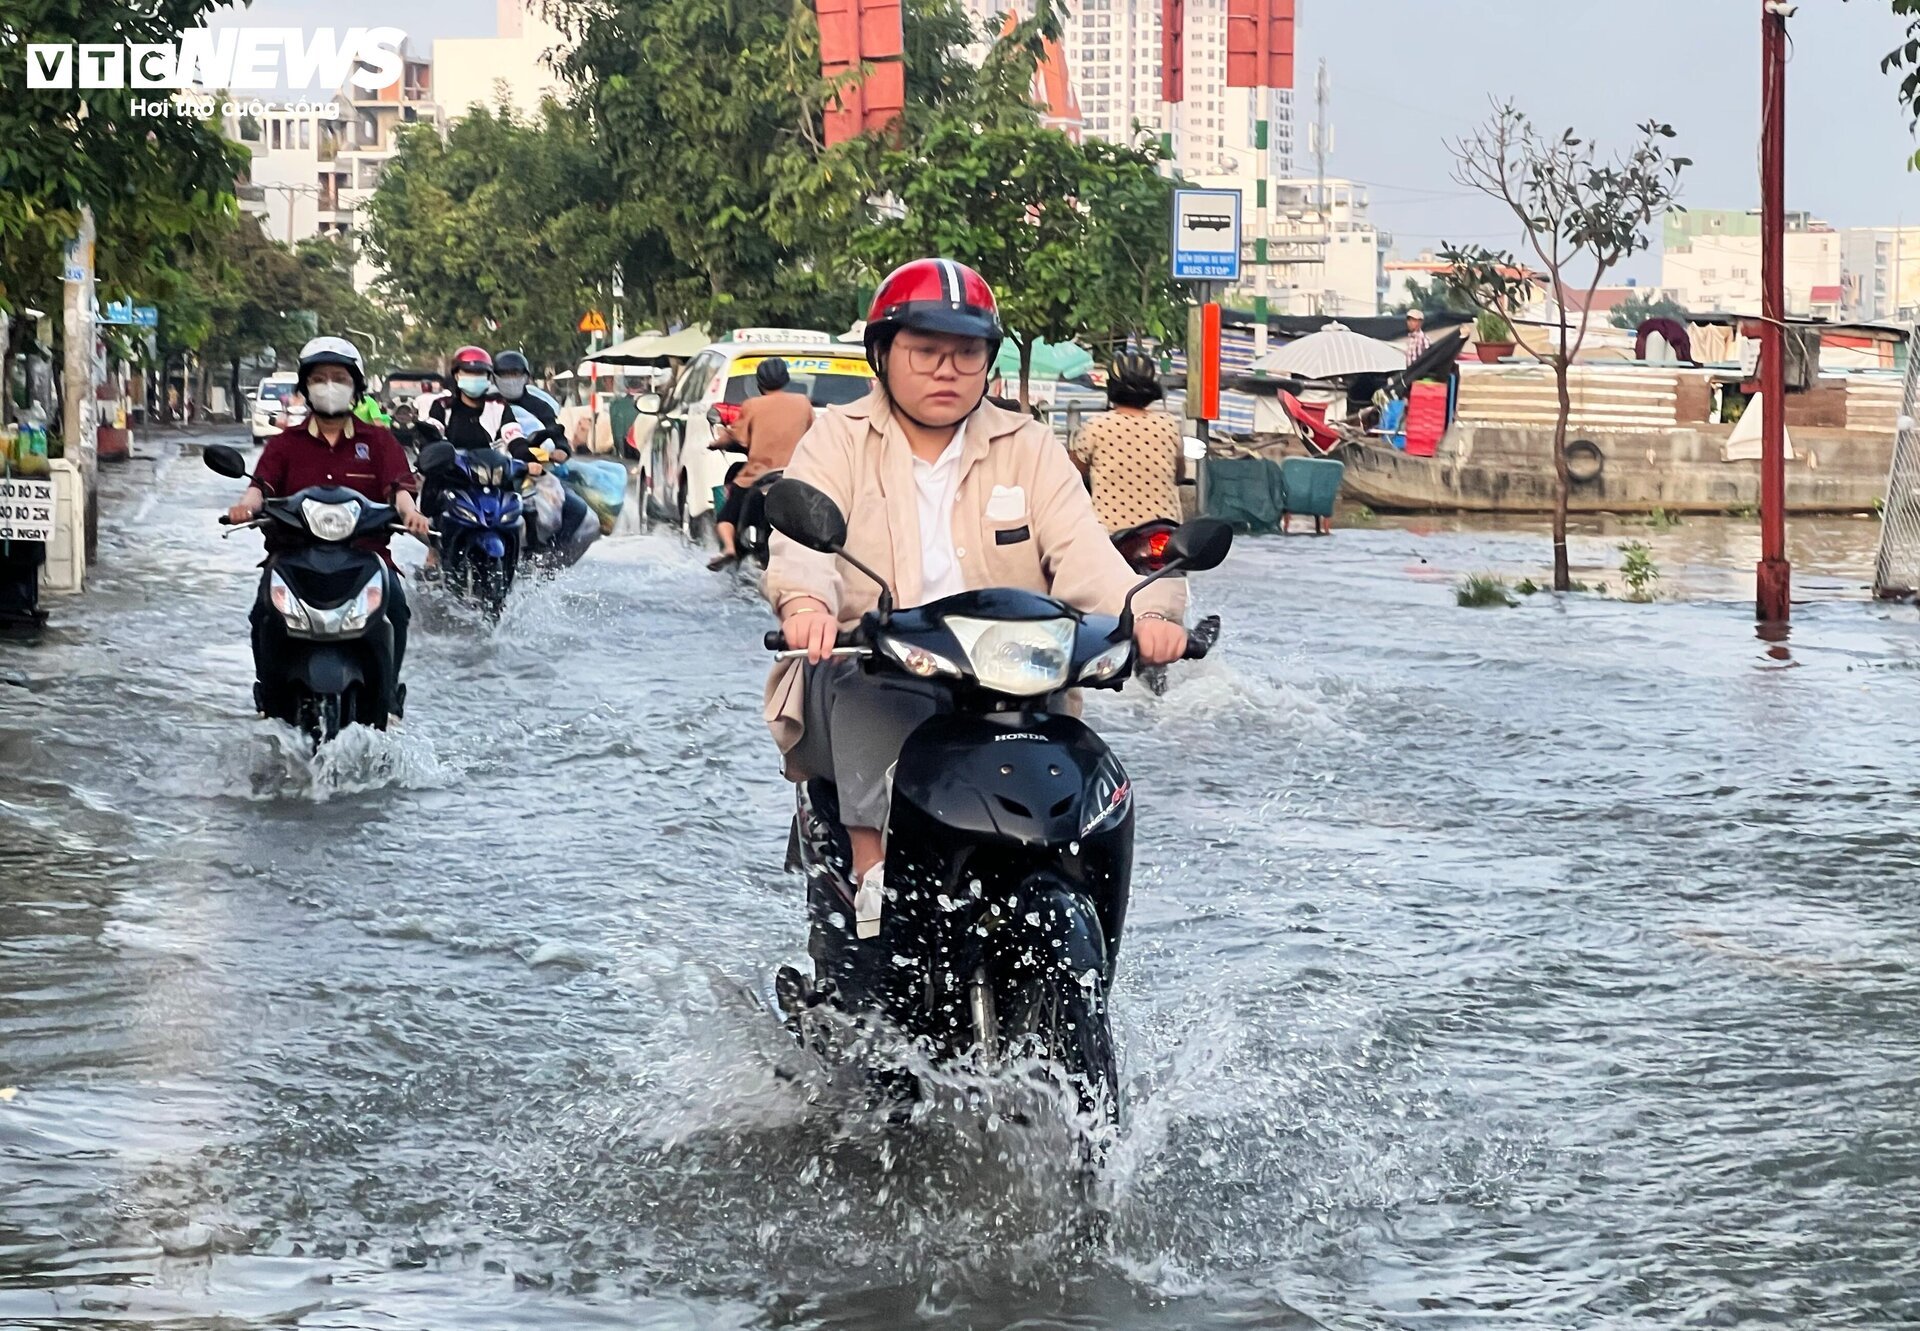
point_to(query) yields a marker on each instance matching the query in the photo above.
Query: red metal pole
(1774, 599)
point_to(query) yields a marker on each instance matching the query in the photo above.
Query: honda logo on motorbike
(246, 59)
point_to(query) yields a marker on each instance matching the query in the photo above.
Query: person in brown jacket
(768, 427)
(943, 493)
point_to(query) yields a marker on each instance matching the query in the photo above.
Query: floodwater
(1543, 967)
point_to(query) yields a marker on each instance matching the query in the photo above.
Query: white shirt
(938, 483)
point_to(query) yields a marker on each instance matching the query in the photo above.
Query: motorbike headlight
(1018, 657)
(291, 608)
(918, 660)
(330, 522)
(1108, 664)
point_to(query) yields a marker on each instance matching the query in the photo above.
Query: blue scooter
(480, 525)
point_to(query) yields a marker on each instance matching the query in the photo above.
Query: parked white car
(270, 404)
(679, 475)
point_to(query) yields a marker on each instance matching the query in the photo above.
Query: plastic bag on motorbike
(602, 484)
(549, 502)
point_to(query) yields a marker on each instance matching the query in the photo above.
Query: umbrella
(654, 348)
(1051, 360)
(1331, 353)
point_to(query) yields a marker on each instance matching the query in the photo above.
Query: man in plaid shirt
(1417, 341)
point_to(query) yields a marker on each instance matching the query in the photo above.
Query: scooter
(478, 530)
(557, 532)
(1010, 836)
(331, 664)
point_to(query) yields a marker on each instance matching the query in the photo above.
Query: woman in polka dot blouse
(1131, 454)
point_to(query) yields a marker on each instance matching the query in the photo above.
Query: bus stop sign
(1206, 235)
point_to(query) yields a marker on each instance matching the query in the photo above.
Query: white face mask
(473, 385)
(330, 399)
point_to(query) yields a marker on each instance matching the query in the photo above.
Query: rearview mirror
(226, 460)
(1200, 545)
(436, 456)
(809, 516)
(648, 403)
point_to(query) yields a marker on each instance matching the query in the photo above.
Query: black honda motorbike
(1010, 837)
(329, 662)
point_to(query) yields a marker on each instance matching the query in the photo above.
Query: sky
(1408, 75)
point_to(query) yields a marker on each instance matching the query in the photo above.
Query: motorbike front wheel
(1061, 1019)
(320, 717)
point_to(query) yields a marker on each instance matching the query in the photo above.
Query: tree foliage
(1073, 237)
(1637, 309)
(503, 233)
(1582, 215)
(156, 183)
(1904, 60)
(1431, 296)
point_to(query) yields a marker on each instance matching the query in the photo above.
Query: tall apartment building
(1112, 50)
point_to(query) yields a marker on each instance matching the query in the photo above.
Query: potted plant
(1492, 337)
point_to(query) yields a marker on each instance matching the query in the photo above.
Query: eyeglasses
(970, 359)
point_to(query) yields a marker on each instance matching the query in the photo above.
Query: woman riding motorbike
(943, 493)
(1131, 454)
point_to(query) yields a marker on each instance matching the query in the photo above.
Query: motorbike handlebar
(776, 640)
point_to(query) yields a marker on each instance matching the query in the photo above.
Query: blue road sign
(1206, 235)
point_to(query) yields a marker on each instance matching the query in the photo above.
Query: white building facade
(1880, 272)
(1710, 263)
(513, 69)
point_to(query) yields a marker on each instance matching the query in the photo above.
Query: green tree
(1073, 237)
(1637, 309)
(1904, 60)
(502, 233)
(1431, 296)
(1581, 214)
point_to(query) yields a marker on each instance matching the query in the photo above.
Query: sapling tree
(1582, 215)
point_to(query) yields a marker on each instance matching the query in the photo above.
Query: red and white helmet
(933, 296)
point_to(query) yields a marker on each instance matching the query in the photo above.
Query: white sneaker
(869, 900)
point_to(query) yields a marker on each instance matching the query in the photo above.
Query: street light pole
(1773, 598)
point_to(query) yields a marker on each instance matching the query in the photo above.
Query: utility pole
(1322, 145)
(79, 410)
(1774, 577)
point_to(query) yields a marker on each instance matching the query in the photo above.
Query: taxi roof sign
(777, 335)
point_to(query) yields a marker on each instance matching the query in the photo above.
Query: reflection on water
(1538, 967)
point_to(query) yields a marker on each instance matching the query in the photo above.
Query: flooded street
(1543, 967)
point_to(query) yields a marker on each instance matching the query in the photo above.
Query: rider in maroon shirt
(333, 448)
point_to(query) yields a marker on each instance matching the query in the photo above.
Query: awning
(1051, 360)
(653, 348)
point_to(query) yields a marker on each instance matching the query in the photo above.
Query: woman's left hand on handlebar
(418, 523)
(1160, 641)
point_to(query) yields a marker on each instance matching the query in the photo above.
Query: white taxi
(680, 476)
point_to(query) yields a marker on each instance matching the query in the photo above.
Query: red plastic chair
(1318, 436)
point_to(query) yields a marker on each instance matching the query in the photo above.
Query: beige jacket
(1022, 519)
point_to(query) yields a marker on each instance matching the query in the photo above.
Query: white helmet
(333, 351)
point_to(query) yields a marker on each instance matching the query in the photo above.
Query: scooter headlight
(291, 608)
(1108, 664)
(330, 522)
(1018, 657)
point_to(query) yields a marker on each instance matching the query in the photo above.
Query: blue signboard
(146, 316)
(117, 312)
(1206, 235)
